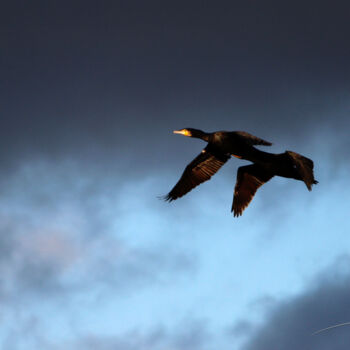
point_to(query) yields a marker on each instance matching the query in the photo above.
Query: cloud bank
(290, 323)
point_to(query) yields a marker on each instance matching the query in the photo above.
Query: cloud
(61, 231)
(190, 335)
(290, 324)
(240, 329)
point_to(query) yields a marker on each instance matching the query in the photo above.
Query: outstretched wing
(251, 139)
(249, 179)
(201, 169)
(304, 168)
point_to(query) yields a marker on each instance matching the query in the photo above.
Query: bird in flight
(224, 144)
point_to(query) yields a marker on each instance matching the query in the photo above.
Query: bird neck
(199, 134)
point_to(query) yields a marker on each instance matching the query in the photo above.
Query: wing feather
(201, 169)
(249, 179)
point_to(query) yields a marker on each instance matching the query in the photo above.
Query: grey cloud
(290, 324)
(38, 277)
(240, 329)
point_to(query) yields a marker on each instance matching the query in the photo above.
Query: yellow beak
(182, 132)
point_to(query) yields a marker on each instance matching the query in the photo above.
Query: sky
(90, 92)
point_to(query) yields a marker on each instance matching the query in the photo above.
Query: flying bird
(240, 144)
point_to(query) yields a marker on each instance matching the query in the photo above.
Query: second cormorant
(224, 144)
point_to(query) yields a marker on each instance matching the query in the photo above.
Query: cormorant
(224, 144)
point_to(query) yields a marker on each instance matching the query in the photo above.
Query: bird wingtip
(165, 198)
(236, 213)
(309, 186)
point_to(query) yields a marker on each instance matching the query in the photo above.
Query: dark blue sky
(113, 72)
(90, 92)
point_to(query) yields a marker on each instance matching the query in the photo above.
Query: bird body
(234, 142)
(224, 144)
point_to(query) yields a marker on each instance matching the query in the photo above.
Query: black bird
(224, 144)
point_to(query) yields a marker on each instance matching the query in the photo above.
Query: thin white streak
(331, 327)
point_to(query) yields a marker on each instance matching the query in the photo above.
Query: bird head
(190, 132)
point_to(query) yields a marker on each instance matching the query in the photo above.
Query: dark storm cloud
(291, 323)
(115, 77)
